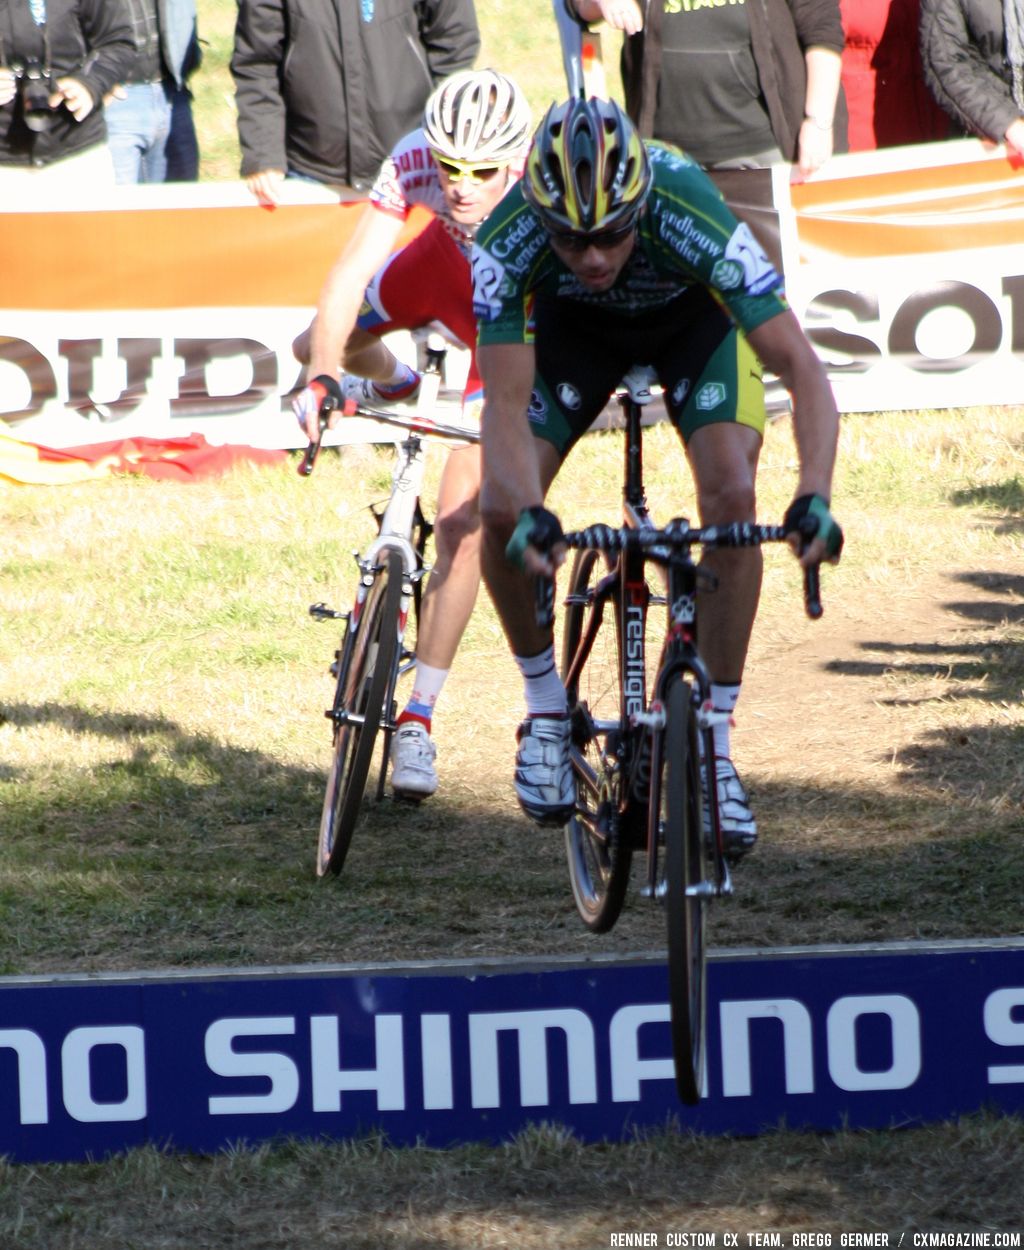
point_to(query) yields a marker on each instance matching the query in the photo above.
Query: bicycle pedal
(321, 612)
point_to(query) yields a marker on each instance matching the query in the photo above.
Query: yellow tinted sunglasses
(456, 171)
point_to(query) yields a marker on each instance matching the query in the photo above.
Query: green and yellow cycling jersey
(686, 236)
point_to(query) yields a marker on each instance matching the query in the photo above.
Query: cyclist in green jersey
(608, 253)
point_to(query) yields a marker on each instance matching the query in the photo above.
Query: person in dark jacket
(972, 52)
(325, 88)
(58, 59)
(739, 87)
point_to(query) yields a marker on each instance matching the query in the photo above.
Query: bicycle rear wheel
(359, 706)
(684, 879)
(597, 849)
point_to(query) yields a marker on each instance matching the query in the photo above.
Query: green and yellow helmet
(587, 169)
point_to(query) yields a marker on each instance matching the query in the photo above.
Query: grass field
(162, 756)
(162, 760)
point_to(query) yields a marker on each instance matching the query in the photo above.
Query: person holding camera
(58, 59)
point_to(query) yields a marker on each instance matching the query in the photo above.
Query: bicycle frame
(402, 529)
(639, 739)
(637, 769)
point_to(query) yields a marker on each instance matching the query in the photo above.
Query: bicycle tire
(684, 869)
(362, 690)
(597, 852)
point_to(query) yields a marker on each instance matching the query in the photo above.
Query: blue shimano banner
(462, 1052)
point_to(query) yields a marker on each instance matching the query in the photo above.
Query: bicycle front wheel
(685, 882)
(597, 849)
(359, 708)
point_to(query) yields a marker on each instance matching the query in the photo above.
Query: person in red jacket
(886, 96)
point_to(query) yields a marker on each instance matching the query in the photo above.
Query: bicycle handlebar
(677, 536)
(411, 421)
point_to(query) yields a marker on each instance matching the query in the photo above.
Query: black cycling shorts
(707, 369)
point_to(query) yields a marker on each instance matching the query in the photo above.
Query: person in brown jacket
(739, 87)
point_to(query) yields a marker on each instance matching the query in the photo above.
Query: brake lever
(812, 592)
(327, 406)
(812, 574)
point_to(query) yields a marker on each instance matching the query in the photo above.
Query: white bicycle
(373, 654)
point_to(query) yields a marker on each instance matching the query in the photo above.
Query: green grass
(163, 748)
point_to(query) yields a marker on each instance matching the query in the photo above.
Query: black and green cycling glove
(809, 516)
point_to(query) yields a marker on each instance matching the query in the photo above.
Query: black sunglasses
(603, 240)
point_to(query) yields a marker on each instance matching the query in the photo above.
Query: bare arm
(816, 133)
(511, 471)
(513, 479)
(368, 247)
(784, 349)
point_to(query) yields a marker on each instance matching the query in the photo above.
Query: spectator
(739, 87)
(149, 117)
(325, 93)
(470, 149)
(58, 59)
(973, 59)
(883, 79)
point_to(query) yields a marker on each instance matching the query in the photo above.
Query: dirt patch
(852, 697)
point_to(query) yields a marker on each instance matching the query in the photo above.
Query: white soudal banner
(169, 310)
(906, 268)
(818, 1038)
(162, 311)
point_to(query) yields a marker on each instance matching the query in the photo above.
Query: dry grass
(544, 1191)
(161, 771)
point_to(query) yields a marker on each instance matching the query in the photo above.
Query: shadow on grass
(1006, 496)
(191, 852)
(986, 668)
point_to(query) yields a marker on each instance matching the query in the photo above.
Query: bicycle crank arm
(703, 889)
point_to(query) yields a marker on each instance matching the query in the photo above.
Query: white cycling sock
(402, 378)
(724, 699)
(545, 694)
(427, 685)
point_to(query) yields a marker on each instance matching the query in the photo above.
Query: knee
(300, 346)
(731, 497)
(457, 531)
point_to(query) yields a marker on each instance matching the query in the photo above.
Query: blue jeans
(151, 134)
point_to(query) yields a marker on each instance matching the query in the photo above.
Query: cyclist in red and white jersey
(469, 151)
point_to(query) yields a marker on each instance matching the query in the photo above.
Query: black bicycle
(642, 722)
(374, 651)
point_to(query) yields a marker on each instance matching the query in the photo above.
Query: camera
(36, 87)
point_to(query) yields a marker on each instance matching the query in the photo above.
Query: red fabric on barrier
(177, 459)
(172, 459)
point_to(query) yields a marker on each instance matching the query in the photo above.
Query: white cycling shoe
(364, 391)
(544, 782)
(739, 829)
(413, 775)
